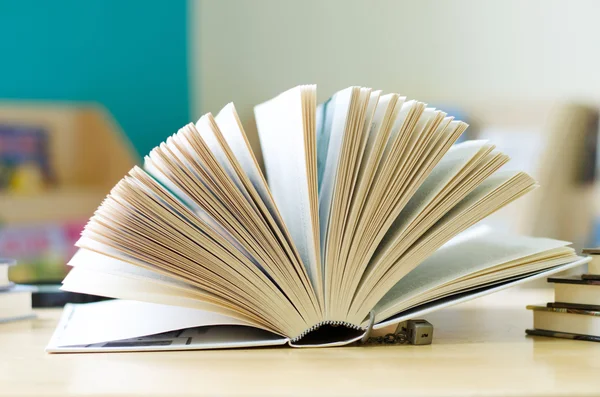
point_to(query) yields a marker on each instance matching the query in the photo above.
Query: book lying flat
(15, 303)
(590, 276)
(566, 305)
(594, 265)
(363, 223)
(562, 335)
(5, 264)
(576, 292)
(563, 320)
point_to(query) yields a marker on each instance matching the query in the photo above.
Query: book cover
(574, 280)
(591, 277)
(562, 335)
(576, 306)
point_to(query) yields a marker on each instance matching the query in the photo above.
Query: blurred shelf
(52, 205)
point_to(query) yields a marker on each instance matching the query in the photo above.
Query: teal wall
(129, 55)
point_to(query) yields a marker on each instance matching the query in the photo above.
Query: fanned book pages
(365, 221)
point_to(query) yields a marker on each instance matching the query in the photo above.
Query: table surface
(479, 348)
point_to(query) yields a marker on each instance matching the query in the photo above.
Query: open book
(359, 226)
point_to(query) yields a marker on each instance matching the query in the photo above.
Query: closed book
(5, 264)
(566, 320)
(576, 291)
(590, 276)
(565, 305)
(562, 335)
(15, 303)
(594, 265)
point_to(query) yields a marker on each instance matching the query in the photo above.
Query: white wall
(457, 52)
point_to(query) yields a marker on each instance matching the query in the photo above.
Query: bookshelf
(87, 153)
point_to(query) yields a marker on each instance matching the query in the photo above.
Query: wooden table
(479, 349)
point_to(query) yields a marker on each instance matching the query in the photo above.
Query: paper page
(199, 338)
(451, 164)
(324, 122)
(496, 191)
(338, 111)
(92, 260)
(205, 127)
(124, 319)
(87, 281)
(385, 112)
(471, 251)
(420, 311)
(232, 131)
(134, 326)
(198, 258)
(183, 198)
(274, 235)
(281, 128)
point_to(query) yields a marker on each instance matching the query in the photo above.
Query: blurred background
(88, 87)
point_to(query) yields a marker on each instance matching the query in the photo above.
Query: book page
(338, 111)
(91, 260)
(495, 192)
(422, 310)
(324, 123)
(232, 131)
(98, 274)
(424, 135)
(117, 320)
(470, 252)
(283, 262)
(207, 127)
(170, 237)
(457, 158)
(287, 135)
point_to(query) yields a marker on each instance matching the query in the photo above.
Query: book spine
(323, 323)
(590, 276)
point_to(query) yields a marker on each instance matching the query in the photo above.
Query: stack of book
(575, 312)
(15, 300)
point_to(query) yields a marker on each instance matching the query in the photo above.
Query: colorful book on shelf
(24, 158)
(364, 222)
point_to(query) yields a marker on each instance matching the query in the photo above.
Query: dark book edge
(579, 280)
(562, 335)
(590, 276)
(546, 308)
(580, 306)
(591, 251)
